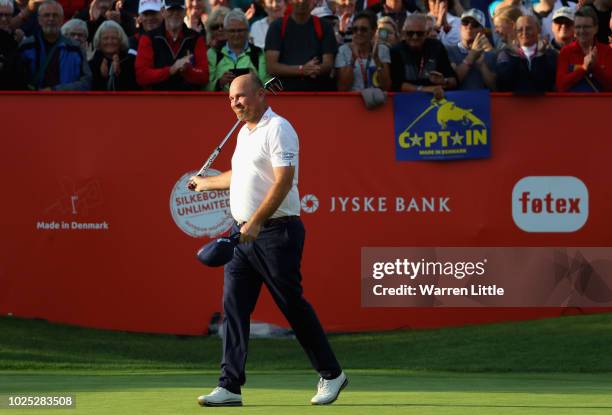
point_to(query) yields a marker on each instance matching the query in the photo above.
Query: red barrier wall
(123, 154)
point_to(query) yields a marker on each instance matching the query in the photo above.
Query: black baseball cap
(172, 4)
(218, 252)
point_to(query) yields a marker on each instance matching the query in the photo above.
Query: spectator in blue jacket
(530, 67)
(54, 62)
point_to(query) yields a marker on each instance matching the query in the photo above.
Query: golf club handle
(215, 153)
(209, 162)
(205, 167)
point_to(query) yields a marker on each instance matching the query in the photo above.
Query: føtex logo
(550, 204)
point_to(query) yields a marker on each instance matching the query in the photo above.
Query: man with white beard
(54, 62)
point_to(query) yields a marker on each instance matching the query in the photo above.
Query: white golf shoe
(220, 397)
(328, 390)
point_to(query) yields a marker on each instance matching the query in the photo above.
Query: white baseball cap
(476, 15)
(566, 12)
(149, 5)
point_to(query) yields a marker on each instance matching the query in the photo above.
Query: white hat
(566, 12)
(322, 11)
(476, 15)
(152, 5)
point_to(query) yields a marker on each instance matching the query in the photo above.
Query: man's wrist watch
(419, 88)
(301, 69)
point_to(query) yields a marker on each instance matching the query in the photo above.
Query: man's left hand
(249, 232)
(436, 78)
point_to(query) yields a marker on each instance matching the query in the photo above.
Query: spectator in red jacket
(585, 65)
(172, 57)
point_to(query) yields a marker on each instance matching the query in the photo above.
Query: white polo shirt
(272, 143)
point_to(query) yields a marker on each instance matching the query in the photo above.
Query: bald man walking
(265, 204)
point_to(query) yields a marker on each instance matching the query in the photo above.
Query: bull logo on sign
(448, 111)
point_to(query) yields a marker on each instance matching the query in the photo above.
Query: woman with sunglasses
(215, 35)
(362, 63)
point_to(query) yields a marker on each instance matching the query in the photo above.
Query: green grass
(566, 344)
(556, 366)
(289, 393)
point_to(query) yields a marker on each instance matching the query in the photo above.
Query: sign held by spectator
(455, 127)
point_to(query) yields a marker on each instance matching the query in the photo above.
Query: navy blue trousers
(274, 260)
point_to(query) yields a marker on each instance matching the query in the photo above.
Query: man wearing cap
(52, 61)
(562, 28)
(473, 59)
(149, 18)
(265, 203)
(172, 57)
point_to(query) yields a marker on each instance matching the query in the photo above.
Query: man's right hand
(95, 11)
(226, 79)
(481, 43)
(436, 90)
(590, 59)
(180, 64)
(33, 5)
(197, 183)
(312, 68)
(104, 69)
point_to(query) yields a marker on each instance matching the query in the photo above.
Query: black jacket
(163, 56)
(516, 74)
(12, 71)
(125, 81)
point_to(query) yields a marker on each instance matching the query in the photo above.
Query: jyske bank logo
(309, 203)
(550, 204)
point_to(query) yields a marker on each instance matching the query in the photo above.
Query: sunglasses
(413, 33)
(235, 31)
(215, 27)
(50, 15)
(77, 35)
(360, 29)
(562, 21)
(471, 23)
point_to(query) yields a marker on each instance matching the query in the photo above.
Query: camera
(383, 35)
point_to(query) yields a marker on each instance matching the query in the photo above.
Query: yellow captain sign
(455, 127)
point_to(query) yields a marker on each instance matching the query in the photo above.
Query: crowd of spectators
(521, 46)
